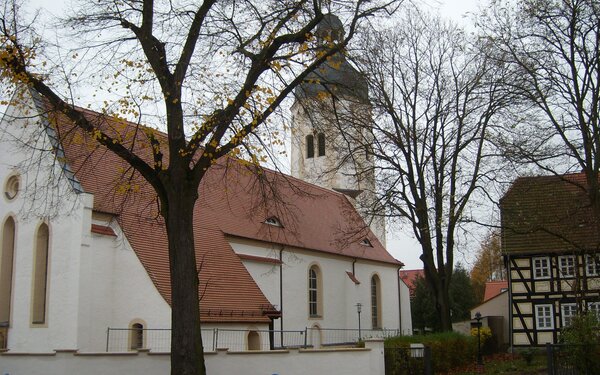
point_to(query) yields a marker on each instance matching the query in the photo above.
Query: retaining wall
(368, 360)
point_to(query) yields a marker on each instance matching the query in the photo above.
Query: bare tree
(435, 98)
(215, 70)
(554, 47)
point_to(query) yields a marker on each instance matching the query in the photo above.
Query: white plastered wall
(116, 290)
(340, 293)
(328, 171)
(44, 196)
(94, 281)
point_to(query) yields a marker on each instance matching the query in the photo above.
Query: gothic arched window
(375, 302)
(6, 269)
(314, 292)
(40, 275)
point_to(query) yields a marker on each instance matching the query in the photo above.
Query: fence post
(550, 358)
(215, 339)
(428, 360)
(305, 336)
(107, 337)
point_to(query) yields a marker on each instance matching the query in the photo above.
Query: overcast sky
(401, 246)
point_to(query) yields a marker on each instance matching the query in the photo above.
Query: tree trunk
(443, 307)
(187, 352)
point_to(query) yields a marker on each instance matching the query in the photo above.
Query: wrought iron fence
(572, 359)
(318, 337)
(159, 340)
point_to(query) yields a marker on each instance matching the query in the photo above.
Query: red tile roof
(103, 229)
(410, 277)
(548, 214)
(493, 288)
(231, 202)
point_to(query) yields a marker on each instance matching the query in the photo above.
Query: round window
(12, 187)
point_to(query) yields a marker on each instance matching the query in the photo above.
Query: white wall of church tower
(344, 165)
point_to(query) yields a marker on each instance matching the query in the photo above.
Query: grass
(507, 364)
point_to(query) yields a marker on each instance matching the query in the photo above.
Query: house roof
(548, 214)
(232, 201)
(410, 277)
(493, 288)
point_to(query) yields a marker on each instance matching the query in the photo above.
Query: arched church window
(136, 336)
(375, 302)
(6, 270)
(253, 340)
(40, 275)
(310, 146)
(314, 292)
(321, 144)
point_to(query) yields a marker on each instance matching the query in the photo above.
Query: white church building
(84, 263)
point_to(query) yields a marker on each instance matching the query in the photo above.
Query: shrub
(448, 350)
(583, 343)
(527, 354)
(484, 332)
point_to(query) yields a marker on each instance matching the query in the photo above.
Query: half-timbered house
(550, 241)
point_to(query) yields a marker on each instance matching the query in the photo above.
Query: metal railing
(572, 359)
(159, 340)
(318, 337)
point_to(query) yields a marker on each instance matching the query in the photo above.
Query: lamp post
(358, 310)
(478, 319)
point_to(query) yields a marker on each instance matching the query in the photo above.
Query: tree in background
(553, 47)
(462, 299)
(436, 99)
(488, 265)
(213, 72)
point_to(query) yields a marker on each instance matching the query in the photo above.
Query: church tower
(331, 133)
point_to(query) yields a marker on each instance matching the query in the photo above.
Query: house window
(136, 336)
(6, 270)
(314, 292)
(594, 308)
(375, 302)
(591, 265)
(541, 268)
(40, 275)
(568, 312)
(321, 144)
(544, 317)
(566, 265)
(310, 146)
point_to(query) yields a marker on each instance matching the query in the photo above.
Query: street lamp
(358, 310)
(478, 319)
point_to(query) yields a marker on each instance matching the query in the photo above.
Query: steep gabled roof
(232, 201)
(548, 214)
